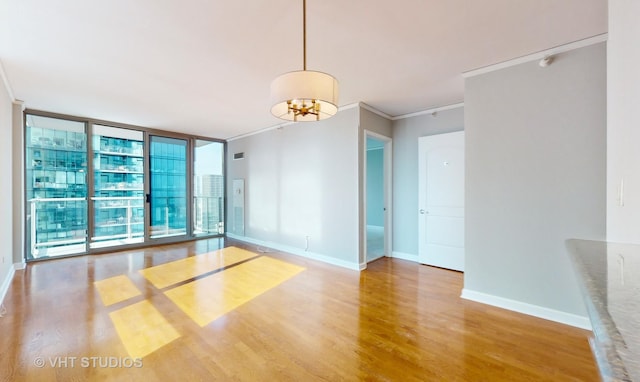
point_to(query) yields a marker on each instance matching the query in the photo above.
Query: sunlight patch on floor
(116, 289)
(164, 275)
(242, 276)
(207, 299)
(142, 329)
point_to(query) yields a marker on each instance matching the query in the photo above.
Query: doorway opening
(377, 192)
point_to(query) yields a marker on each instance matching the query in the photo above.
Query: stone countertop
(609, 274)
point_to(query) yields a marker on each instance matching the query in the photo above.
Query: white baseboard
(6, 283)
(404, 256)
(532, 310)
(20, 266)
(299, 252)
(375, 258)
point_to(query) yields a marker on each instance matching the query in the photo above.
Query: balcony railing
(168, 216)
(57, 226)
(208, 215)
(126, 225)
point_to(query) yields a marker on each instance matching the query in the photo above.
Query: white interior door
(441, 200)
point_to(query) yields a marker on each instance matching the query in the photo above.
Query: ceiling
(205, 66)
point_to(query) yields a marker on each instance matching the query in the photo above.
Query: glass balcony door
(208, 188)
(56, 187)
(118, 191)
(168, 187)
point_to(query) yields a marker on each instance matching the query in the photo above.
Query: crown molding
(352, 106)
(260, 131)
(374, 110)
(429, 111)
(409, 115)
(349, 106)
(538, 55)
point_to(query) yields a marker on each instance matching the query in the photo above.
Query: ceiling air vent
(238, 156)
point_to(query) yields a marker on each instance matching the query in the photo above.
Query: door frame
(388, 188)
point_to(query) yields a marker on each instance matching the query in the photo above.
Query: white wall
(405, 173)
(375, 123)
(302, 181)
(623, 121)
(535, 176)
(6, 171)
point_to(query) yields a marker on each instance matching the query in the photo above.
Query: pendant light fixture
(304, 95)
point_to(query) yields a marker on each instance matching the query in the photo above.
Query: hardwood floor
(395, 321)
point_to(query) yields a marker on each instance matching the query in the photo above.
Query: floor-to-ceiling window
(56, 186)
(208, 187)
(118, 191)
(93, 185)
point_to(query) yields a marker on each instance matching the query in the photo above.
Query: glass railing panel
(58, 227)
(119, 220)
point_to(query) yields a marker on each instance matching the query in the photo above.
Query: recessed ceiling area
(204, 67)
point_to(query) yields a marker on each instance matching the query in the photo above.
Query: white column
(623, 120)
(17, 184)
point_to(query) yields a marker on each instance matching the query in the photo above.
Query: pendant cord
(304, 34)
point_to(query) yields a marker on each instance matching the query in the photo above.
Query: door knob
(423, 212)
